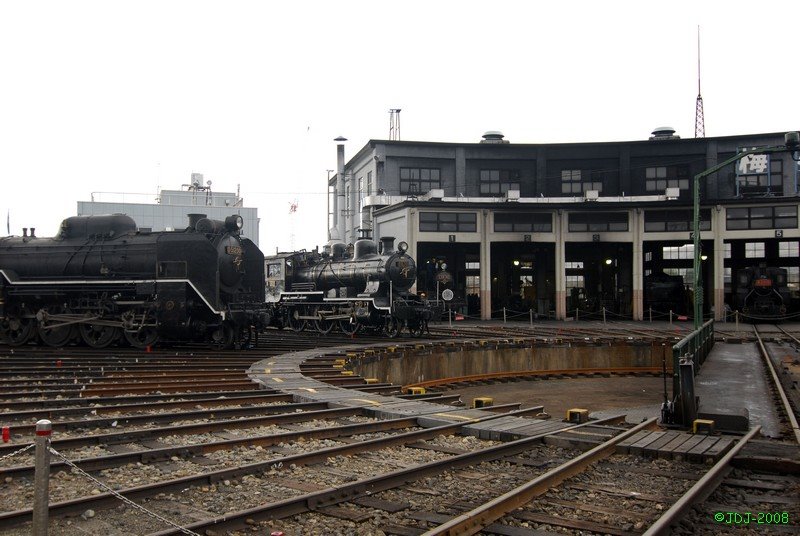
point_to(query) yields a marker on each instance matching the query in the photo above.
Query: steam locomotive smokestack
(194, 218)
(25, 232)
(33, 232)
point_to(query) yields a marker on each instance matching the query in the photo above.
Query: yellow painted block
(416, 390)
(482, 402)
(577, 415)
(703, 426)
(371, 380)
(346, 373)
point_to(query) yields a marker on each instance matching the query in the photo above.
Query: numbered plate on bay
(447, 294)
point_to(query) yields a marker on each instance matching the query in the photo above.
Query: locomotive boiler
(762, 292)
(365, 288)
(101, 280)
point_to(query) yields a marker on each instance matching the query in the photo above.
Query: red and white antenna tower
(699, 121)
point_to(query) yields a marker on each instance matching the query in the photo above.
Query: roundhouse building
(569, 229)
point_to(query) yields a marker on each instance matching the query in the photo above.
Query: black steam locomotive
(664, 293)
(362, 289)
(102, 280)
(762, 292)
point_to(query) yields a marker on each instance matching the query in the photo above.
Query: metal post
(450, 316)
(737, 321)
(604, 315)
(651, 315)
(41, 479)
(504, 315)
(576, 314)
(530, 312)
(670, 317)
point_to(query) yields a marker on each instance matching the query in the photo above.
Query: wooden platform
(677, 445)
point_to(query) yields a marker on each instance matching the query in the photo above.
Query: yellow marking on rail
(346, 373)
(309, 389)
(267, 371)
(277, 380)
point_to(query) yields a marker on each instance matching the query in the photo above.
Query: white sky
(113, 96)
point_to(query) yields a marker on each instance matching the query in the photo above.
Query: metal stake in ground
(41, 479)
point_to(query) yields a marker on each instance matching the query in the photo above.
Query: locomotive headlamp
(234, 223)
(402, 247)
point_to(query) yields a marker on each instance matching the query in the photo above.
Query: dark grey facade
(628, 199)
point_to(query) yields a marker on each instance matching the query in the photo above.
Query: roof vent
(493, 136)
(664, 133)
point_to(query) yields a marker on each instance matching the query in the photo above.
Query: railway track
(241, 461)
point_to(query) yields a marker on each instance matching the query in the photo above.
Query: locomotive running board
(17, 281)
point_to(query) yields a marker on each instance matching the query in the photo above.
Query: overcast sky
(113, 96)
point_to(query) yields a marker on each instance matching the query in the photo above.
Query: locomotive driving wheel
(392, 327)
(136, 330)
(322, 324)
(223, 337)
(17, 329)
(98, 335)
(295, 322)
(349, 326)
(51, 333)
(415, 328)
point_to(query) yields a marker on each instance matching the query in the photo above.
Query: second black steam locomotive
(362, 289)
(762, 292)
(101, 280)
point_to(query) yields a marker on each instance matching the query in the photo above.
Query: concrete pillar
(561, 275)
(638, 264)
(718, 225)
(486, 268)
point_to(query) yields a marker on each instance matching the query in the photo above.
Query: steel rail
(98, 463)
(131, 436)
(148, 406)
(776, 383)
(79, 505)
(479, 518)
(536, 373)
(371, 485)
(701, 490)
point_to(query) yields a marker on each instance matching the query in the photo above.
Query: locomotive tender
(101, 280)
(368, 289)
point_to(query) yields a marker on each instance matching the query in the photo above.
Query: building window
(572, 182)
(685, 251)
(753, 178)
(370, 185)
(499, 181)
(793, 280)
(448, 222)
(788, 249)
(523, 222)
(727, 247)
(415, 181)
(754, 250)
(574, 281)
(472, 265)
(781, 217)
(659, 221)
(598, 221)
(573, 265)
(360, 192)
(473, 285)
(648, 256)
(658, 179)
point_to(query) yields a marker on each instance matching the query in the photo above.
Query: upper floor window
(598, 221)
(575, 181)
(685, 251)
(781, 217)
(754, 250)
(499, 181)
(523, 222)
(658, 179)
(414, 181)
(370, 184)
(443, 222)
(659, 221)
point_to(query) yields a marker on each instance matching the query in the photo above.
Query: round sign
(447, 295)
(444, 277)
